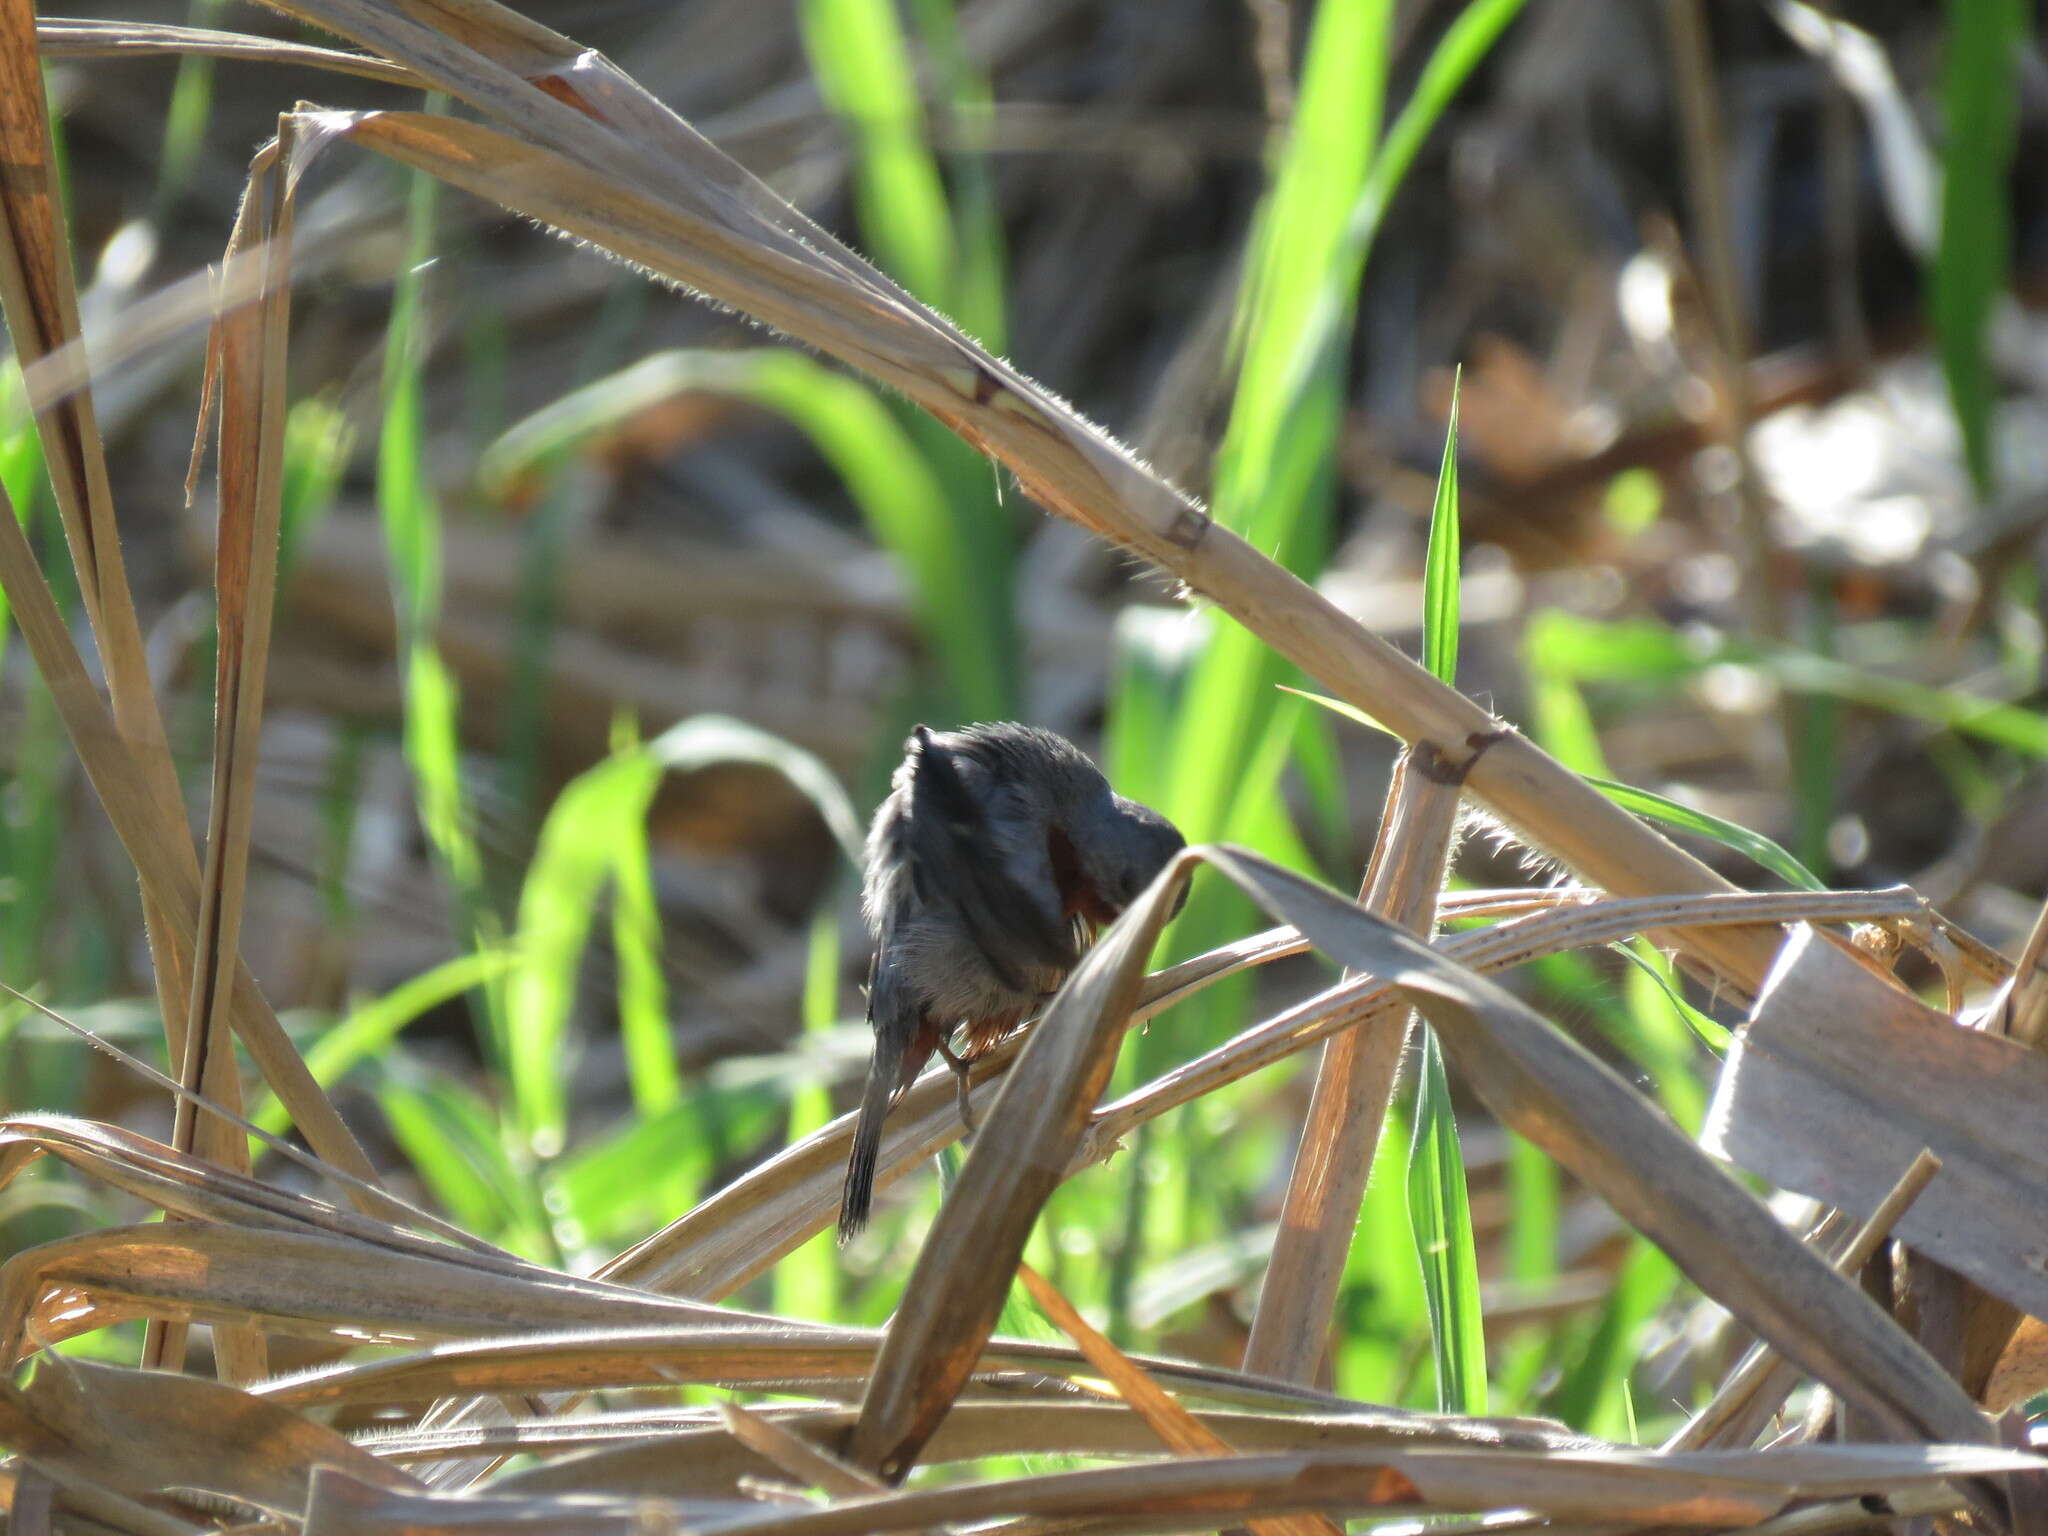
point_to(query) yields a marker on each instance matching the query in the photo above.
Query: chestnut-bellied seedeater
(998, 854)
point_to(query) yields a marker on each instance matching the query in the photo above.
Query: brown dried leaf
(315, 1284)
(144, 1432)
(1839, 1079)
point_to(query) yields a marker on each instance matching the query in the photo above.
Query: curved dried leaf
(146, 1431)
(1839, 1079)
(314, 1284)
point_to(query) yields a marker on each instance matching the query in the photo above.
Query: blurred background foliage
(604, 615)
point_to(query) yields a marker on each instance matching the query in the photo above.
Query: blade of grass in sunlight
(1441, 1221)
(1592, 1393)
(1382, 1312)
(1646, 651)
(807, 1281)
(1439, 1210)
(1441, 563)
(1535, 1209)
(368, 1031)
(1646, 958)
(453, 1141)
(653, 1077)
(1272, 478)
(862, 66)
(1685, 818)
(410, 513)
(980, 278)
(1979, 99)
(1273, 481)
(317, 442)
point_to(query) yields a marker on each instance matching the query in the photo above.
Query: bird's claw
(963, 1082)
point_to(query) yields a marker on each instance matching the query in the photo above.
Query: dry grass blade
(146, 1432)
(769, 1354)
(1354, 1081)
(1180, 1429)
(39, 296)
(1019, 1157)
(249, 348)
(199, 1191)
(2020, 1010)
(1726, 1489)
(684, 1454)
(344, 1506)
(1831, 1052)
(84, 38)
(353, 1187)
(1546, 1086)
(1755, 1387)
(319, 1285)
(95, 1501)
(1491, 949)
(794, 1454)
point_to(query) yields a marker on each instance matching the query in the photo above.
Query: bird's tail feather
(858, 1193)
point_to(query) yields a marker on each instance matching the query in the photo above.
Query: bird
(1000, 851)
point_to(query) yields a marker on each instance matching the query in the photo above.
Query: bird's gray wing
(953, 863)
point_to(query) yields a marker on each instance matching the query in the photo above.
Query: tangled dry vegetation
(503, 1387)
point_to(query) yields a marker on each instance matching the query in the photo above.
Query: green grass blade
(186, 119)
(862, 66)
(1464, 45)
(371, 1028)
(1441, 1217)
(1714, 1036)
(1272, 480)
(1979, 97)
(652, 1076)
(1684, 818)
(807, 1281)
(410, 515)
(1440, 565)
(450, 1137)
(1592, 1393)
(1382, 1313)
(317, 442)
(980, 275)
(557, 904)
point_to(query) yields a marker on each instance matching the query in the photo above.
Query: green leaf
(1441, 1218)
(369, 1029)
(1440, 566)
(1684, 818)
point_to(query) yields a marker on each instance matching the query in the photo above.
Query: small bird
(1000, 851)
